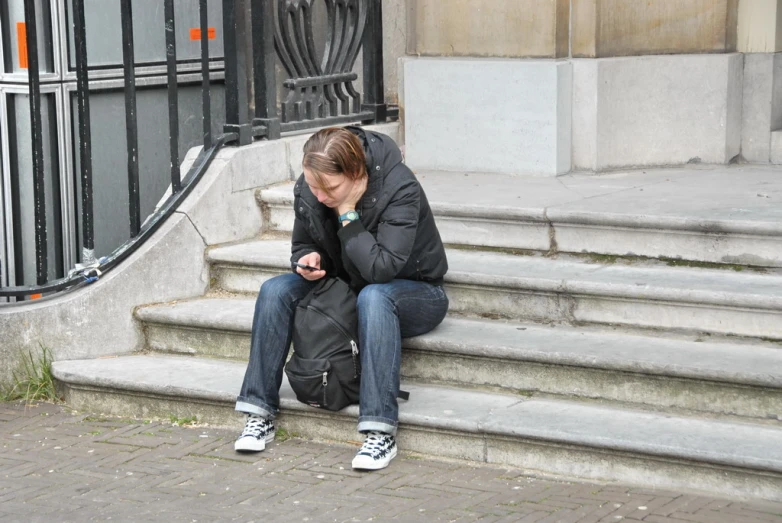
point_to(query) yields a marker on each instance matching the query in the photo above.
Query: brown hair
(334, 151)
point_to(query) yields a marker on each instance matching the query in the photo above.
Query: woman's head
(333, 159)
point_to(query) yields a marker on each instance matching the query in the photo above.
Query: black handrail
(256, 33)
(89, 274)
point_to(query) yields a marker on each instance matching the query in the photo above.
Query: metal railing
(320, 91)
(256, 34)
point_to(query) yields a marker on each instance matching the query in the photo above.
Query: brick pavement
(58, 465)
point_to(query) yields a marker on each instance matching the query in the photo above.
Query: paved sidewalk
(58, 465)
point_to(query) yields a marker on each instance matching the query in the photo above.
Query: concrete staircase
(580, 364)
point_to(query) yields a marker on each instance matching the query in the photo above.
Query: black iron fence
(258, 35)
(320, 88)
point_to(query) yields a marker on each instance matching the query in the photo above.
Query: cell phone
(306, 267)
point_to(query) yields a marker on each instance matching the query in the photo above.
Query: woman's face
(338, 186)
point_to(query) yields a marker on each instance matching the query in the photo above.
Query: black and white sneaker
(377, 451)
(258, 431)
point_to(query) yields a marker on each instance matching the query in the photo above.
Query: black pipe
(85, 135)
(39, 194)
(236, 44)
(173, 96)
(131, 118)
(264, 59)
(206, 94)
(374, 89)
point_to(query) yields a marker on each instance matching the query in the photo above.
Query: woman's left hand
(358, 190)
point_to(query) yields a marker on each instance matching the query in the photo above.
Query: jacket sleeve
(303, 244)
(380, 259)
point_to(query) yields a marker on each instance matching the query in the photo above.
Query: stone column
(656, 82)
(760, 38)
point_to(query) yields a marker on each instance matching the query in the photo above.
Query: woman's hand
(358, 190)
(313, 260)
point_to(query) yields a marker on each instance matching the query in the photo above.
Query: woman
(360, 215)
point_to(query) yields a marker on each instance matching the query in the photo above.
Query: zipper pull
(325, 378)
(354, 349)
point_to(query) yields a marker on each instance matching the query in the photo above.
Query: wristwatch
(350, 216)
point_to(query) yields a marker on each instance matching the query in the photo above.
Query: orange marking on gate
(21, 38)
(195, 33)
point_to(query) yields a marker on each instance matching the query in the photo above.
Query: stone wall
(603, 28)
(652, 82)
(579, 28)
(498, 28)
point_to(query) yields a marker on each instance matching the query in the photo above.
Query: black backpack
(325, 368)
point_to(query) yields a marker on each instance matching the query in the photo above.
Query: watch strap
(349, 216)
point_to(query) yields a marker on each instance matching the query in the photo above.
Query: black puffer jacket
(396, 236)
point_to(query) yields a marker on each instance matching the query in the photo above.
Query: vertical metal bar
(235, 42)
(41, 247)
(7, 202)
(264, 67)
(173, 96)
(229, 44)
(5, 187)
(131, 120)
(85, 135)
(67, 183)
(206, 94)
(374, 89)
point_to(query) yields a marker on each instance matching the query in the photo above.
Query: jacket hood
(380, 150)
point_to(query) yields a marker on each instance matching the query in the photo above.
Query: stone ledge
(712, 214)
(541, 289)
(736, 363)
(697, 286)
(616, 443)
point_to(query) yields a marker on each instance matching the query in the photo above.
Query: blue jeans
(386, 313)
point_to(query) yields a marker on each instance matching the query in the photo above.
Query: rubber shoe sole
(252, 444)
(364, 462)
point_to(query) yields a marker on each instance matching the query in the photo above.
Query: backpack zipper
(354, 349)
(325, 383)
(353, 346)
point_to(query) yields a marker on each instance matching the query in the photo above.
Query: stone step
(557, 437)
(498, 285)
(722, 378)
(716, 214)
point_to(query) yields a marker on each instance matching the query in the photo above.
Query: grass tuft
(284, 435)
(183, 422)
(33, 380)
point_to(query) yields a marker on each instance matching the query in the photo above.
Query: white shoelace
(376, 444)
(255, 426)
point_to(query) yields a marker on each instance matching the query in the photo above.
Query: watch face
(352, 215)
